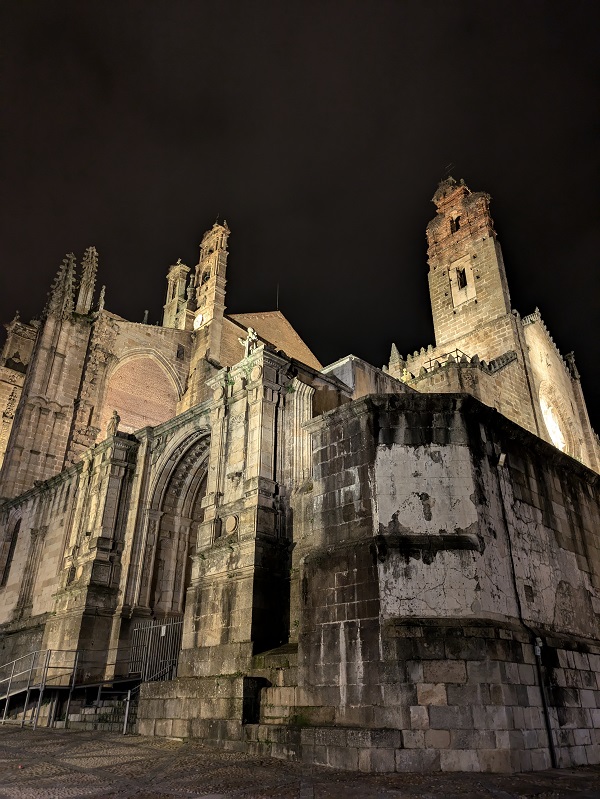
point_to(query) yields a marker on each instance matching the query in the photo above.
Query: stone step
(285, 656)
(89, 726)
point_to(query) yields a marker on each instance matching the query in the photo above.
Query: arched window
(455, 224)
(142, 392)
(7, 552)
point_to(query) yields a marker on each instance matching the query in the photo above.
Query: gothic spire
(88, 280)
(61, 294)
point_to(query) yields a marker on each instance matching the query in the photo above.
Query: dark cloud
(319, 130)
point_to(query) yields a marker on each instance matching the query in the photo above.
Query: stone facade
(377, 570)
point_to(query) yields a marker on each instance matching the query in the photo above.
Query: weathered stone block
(390, 717)
(437, 739)
(450, 717)
(487, 671)
(468, 695)
(593, 754)
(444, 671)
(330, 737)
(180, 728)
(431, 694)
(400, 694)
(414, 739)
(527, 674)
(459, 760)
(472, 739)
(163, 728)
(496, 760)
(419, 760)
(380, 761)
(419, 718)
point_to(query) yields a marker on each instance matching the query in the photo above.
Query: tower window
(461, 278)
(180, 352)
(7, 552)
(455, 224)
(205, 277)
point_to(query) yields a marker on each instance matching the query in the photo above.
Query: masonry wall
(44, 516)
(556, 382)
(421, 608)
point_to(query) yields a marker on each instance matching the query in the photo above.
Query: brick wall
(141, 392)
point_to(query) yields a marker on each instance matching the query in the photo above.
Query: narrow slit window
(461, 278)
(8, 553)
(455, 224)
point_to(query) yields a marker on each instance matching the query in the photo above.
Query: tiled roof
(274, 328)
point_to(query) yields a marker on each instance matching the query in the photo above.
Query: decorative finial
(88, 280)
(101, 298)
(60, 297)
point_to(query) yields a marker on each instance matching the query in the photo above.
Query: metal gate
(155, 648)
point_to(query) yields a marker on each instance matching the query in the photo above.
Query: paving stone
(63, 764)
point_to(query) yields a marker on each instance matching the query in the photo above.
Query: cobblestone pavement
(67, 765)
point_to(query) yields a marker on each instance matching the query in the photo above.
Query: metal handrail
(41, 672)
(132, 691)
(40, 659)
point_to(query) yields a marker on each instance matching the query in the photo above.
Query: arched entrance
(173, 517)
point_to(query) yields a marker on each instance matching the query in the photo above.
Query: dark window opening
(461, 278)
(7, 553)
(455, 224)
(205, 277)
(180, 352)
(66, 502)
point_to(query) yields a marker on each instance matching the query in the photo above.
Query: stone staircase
(107, 715)
(279, 670)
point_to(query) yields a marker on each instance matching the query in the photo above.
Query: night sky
(319, 130)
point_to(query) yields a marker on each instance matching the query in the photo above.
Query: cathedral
(374, 569)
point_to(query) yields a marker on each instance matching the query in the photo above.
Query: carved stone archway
(173, 517)
(558, 421)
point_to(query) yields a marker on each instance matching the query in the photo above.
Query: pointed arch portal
(173, 518)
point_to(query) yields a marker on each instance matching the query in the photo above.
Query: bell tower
(210, 275)
(176, 304)
(207, 293)
(210, 283)
(467, 279)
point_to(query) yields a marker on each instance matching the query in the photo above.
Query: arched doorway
(173, 518)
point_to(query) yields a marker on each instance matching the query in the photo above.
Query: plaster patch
(407, 479)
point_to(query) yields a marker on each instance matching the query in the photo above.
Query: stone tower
(467, 279)
(176, 303)
(472, 317)
(39, 437)
(209, 283)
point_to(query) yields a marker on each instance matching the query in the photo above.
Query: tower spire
(61, 294)
(88, 281)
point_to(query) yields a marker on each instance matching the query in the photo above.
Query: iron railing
(153, 657)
